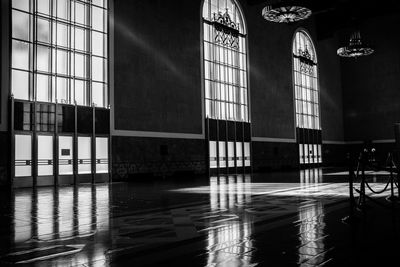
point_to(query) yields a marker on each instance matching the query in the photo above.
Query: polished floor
(273, 219)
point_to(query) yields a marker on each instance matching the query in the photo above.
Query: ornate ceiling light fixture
(355, 48)
(286, 11)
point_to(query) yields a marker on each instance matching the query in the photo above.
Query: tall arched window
(308, 127)
(225, 61)
(225, 83)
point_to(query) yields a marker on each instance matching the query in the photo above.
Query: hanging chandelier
(286, 11)
(355, 48)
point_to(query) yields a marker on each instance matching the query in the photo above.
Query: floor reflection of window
(45, 214)
(85, 210)
(229, 240)
(102, 206)
(66, 212)
(64, 216)
(22, 216)
(308, 176)
(311, 233)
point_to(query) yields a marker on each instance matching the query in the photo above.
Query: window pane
(20, 25)
(62, 91)
(98, 43)
(80, 65)
(84, 155)
(80, 92)
(62, 9)
(23, 155)
(79, 42)
(101, 155)
(222, 154)
(98, 94)
(61, 34)
(98, 2)
(20, 55)
(97, 69)
(43, 30)
(247, 154)
(62, 62)
(21, 4)
(43, 58)
(45, 155)
(43, 6)
(231, 154)
(239, 154)
(213, 154)
(80, 13)
(65, 152)
(42, 88)
(20, 82)
(98, 19)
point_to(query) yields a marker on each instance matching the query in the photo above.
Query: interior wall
(4, 91)
(330, 90)
(371, 85)
(158, 81)
(271, 88)
(4, 63)
(135, 156)
(271, 82)
(157, 66)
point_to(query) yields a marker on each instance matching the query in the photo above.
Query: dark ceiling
(333, 15)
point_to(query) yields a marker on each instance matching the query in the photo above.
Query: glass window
(61, 59)
(98, 69)
(54, 49)
(43, 6)
(60, 34)
(43, 30)
(61, 9)
(20, 25)
(80, 13)
(80, 65)
(98, 43)
(231, 154)
(45, 155)
(80, 39)
(43, 58)
(222, 154)
(20, 84)
(101, 155)
(84, 155)
(62, 90)
(23, 155)
(98, 19)
(305, 82)
(80, 93)
(247, 154)
(99, 3)
(43, 88)
(98, 94)
(213, 154)
(20, 52)
(224, 57)
(21, 4)
(65, 154)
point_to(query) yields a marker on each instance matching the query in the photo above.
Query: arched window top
(303, 46)
(226, 11)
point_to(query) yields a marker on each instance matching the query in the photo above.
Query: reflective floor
(274, 219)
